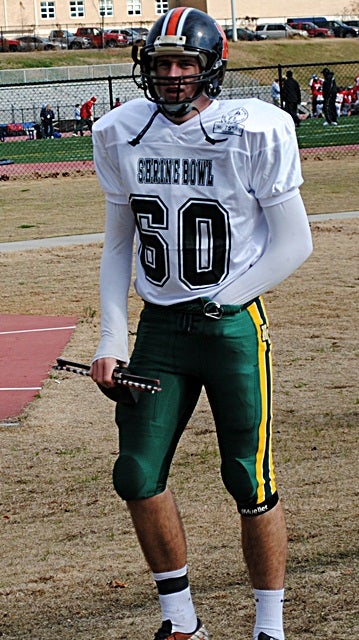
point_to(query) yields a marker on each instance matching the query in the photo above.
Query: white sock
(269, 613)
(176, 606)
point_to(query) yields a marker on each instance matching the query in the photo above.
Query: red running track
(29, 346)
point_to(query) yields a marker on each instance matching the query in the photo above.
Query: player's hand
(101, 371)
(113, 379)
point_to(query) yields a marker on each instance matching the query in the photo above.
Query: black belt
(201, 306)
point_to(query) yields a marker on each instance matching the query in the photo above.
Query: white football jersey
(197, 205)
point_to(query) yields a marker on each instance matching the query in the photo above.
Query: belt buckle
(213, 310)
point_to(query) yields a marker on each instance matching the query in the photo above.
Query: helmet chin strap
(175, 110)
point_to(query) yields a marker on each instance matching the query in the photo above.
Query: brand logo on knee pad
(254, 511)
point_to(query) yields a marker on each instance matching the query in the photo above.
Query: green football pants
(231, 357)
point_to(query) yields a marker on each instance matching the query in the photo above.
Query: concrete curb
(66, 241)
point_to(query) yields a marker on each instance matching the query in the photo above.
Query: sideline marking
(4, 333)
(20, 388)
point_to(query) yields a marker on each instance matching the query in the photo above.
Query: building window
(77, 9)
(134, 7)
(106, 8)
(47, 10)
(161, 7)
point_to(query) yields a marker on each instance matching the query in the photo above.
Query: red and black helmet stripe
(174, 21)
(174, 24)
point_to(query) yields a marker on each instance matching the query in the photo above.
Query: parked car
(8, 44)
(141, 31)
(134, 36)
(100, 39)
(69, 39)
(279, 30)
(242, 34)
(35, 43)
(312, 29)
(352, 23)
(339, 29)
(115, 39)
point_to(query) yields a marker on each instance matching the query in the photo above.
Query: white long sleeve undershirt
(115, 280)
(289, 246)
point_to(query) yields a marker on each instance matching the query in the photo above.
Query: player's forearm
(289, 247)
(115, 279)
(114, 291)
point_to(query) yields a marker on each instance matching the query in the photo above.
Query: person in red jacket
(354, 94)
(316, 89)
(86, 113)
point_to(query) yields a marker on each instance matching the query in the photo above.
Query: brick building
(40, 16)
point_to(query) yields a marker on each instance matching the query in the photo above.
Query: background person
(291, 96)
(339, 101)
(315, 84)
(319, 103)
(86, 113)
(329, 97)
(347, 101)
(208, 246)
(77, 118)
(354, 98)
(275, 92)
(47, 117)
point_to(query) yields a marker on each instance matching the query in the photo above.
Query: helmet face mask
(183, 32)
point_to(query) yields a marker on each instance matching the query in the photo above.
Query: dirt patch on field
(66, 536)
(59, 206)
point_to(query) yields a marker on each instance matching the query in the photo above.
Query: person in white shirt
(275, 92)
(209, 191)
(77, 118)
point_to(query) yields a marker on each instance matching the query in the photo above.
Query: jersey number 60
(201, 238)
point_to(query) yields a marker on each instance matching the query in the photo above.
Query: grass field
(311, 133)
(71, 149)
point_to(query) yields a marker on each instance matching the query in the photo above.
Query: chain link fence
(25, 153)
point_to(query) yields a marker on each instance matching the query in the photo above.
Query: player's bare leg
(160, 531)
(161, 535)
(264, 542)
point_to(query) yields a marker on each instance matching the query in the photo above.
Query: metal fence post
(110, 91)
(280, 80)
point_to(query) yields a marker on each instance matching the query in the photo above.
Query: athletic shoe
(264, 636)
(334, 123)
(165, 632)
(325, 123)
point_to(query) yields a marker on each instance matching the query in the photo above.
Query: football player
(210, 191)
